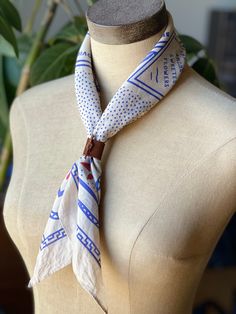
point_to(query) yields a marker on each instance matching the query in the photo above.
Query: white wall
(190, 16)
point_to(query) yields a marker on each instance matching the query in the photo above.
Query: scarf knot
(93, 148)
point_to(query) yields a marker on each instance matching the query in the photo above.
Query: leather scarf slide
(71, 235)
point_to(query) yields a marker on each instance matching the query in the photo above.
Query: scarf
(71, 234)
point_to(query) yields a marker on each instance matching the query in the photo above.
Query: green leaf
(67, 33)
(205, 68)
(24, 42)
(56, 61)
(12, 66)
(3, 105)
(11, 15)
(12, 71)
(191, 56)
(73, 32)
(7, 33)
(191, 44)
(90, 2)
(81, 25)
(6, 49)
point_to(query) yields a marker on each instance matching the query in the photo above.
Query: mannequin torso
(157, 234)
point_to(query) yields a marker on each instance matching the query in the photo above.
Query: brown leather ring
(93, 148)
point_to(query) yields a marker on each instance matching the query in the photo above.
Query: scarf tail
(71, 235)
(86, 259)
(55, 251)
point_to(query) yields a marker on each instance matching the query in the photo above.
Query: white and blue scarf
(71, 235)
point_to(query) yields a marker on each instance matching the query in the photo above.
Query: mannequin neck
(122, 33)
(114, 63)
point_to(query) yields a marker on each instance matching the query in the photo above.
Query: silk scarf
(71, 234)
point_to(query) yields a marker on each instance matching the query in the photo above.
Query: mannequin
(155, 241)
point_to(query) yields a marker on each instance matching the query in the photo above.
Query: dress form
(158, 234)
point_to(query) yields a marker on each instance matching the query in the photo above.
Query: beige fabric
(156, 241)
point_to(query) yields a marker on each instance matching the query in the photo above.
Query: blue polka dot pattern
(146, 86)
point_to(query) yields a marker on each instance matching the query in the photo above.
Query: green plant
(199, 60)
(23, 59)
(9, 18)
(29, 58)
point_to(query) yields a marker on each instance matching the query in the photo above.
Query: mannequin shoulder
(46, 97)
(221, 115)
(202, 89)
(45, 108)
(220, 108)
(44, 104)
(210, 114)
(207, 102)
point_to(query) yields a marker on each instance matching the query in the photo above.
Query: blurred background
(208, 29)
(208, 21)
